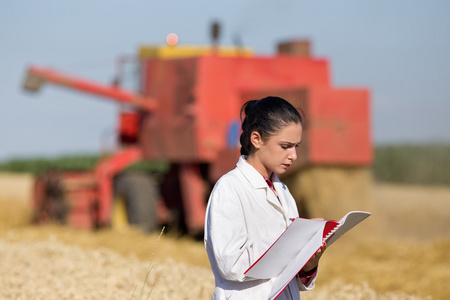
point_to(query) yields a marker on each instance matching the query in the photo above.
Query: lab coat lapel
(279, 187)
(272, 198)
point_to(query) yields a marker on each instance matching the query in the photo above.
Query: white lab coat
(243, 218)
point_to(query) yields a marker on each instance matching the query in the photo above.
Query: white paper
(349, 221)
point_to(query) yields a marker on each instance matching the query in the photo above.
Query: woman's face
(278, 152)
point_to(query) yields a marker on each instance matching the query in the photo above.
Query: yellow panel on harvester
(171, 52)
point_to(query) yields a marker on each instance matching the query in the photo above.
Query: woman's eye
(289, 146)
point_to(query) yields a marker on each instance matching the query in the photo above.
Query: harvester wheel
(140, 193)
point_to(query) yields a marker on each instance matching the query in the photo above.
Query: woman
(249, 207)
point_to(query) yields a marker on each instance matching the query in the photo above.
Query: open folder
(296, 245)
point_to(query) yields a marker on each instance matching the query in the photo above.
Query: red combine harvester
(187, 113)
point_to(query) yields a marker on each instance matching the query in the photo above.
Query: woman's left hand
(314, 261)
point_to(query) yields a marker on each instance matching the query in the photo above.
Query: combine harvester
(186, 113)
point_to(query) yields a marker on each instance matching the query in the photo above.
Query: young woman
(249, 207)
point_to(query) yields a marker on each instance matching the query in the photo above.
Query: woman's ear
(255, 139)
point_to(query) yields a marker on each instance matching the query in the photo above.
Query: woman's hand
(314, 261)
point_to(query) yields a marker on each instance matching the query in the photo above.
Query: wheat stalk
(149, 270)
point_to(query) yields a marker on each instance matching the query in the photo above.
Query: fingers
(320, 251)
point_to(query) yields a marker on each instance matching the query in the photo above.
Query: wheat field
(400, 253)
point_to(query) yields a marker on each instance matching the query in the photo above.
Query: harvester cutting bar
(37, 76)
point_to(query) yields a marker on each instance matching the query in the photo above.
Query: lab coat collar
(253, 176)
(257, 181)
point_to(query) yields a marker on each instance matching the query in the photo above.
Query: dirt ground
(400, 252)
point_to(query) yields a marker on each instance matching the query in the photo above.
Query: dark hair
(266, 116)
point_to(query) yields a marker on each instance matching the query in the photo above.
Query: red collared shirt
(270, 184)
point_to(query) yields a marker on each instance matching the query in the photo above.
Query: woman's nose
(293, 154)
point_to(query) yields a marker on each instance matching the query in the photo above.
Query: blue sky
(400, 50)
